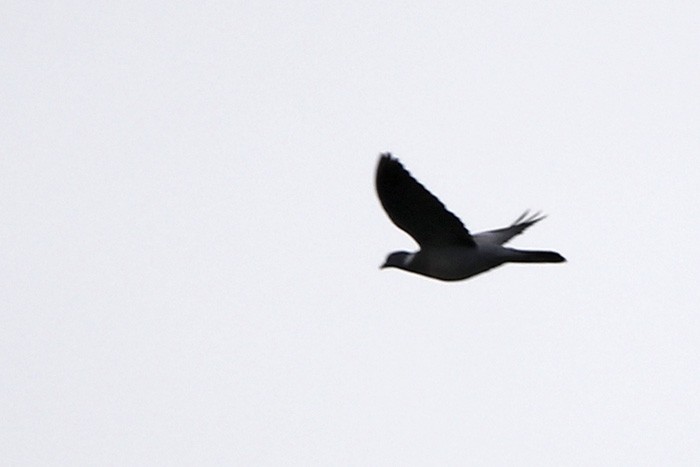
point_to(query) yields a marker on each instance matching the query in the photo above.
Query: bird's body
(448, 251)
(455, 263)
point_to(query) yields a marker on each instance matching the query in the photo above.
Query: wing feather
(415, 210)
(501, 236)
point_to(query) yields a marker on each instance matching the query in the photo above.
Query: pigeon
(447, 251)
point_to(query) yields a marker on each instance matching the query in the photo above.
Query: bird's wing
(415, 210)
(501, 236)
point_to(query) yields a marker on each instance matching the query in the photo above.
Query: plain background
(190, 240)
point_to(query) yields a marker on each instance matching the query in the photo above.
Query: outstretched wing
(415, 210)
(501, 236)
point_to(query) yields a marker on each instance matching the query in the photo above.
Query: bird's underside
(447, 250)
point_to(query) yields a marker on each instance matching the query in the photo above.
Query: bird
(448, 251)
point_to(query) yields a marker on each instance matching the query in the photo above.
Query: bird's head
(398, 259)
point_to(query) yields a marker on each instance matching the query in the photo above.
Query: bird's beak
(382, 266)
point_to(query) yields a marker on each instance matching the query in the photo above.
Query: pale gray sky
(191, 240)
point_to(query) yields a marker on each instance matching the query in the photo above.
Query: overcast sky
(190, 240)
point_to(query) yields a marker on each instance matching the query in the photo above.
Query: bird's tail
(519, 256)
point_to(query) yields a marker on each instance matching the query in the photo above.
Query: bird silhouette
(447, 250)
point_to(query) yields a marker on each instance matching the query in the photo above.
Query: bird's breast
(455, 263)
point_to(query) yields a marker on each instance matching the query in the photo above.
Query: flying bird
(447, 250)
